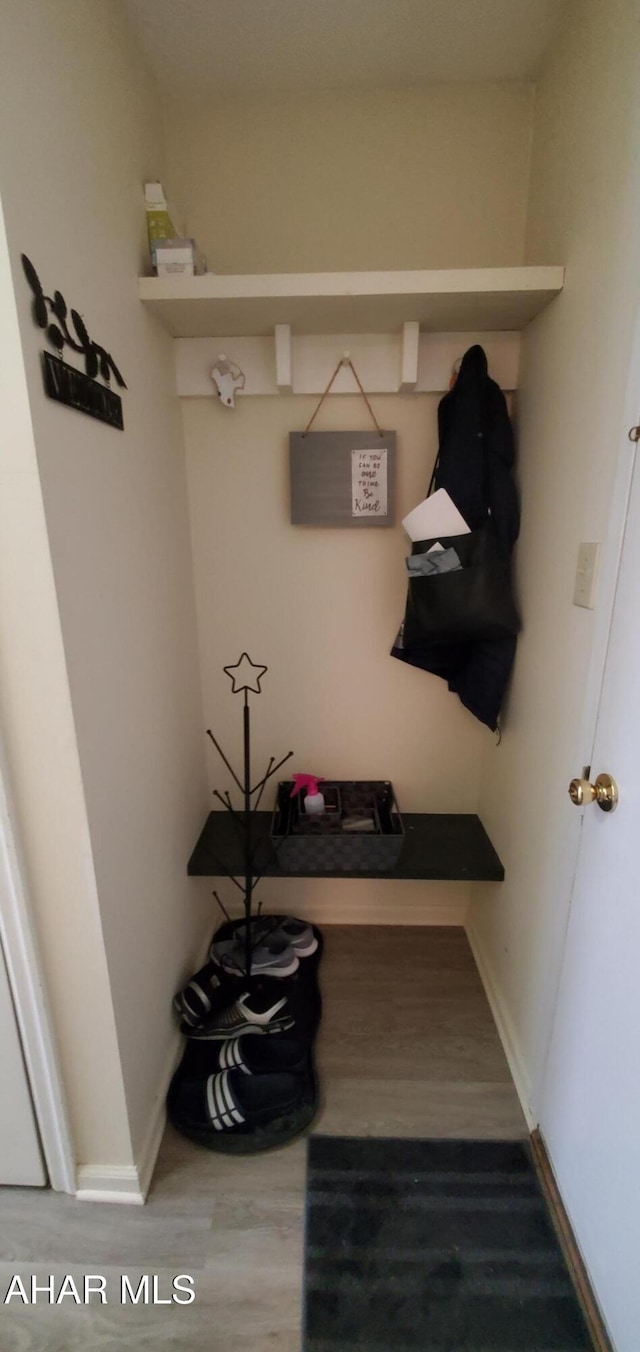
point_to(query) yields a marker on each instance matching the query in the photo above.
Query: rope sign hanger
(344, 361)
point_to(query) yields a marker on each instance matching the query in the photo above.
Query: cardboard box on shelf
(178, 257)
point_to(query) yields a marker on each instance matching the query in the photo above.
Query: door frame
(28, 989)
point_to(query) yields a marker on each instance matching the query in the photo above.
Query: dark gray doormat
(441, 1246)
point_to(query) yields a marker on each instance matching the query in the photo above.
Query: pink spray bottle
(314, 800)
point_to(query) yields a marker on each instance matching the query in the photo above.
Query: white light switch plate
(585, 587)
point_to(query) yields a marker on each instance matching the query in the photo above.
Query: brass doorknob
(604, 792)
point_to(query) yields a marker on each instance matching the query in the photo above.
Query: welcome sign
(65, 328)
(77, 390)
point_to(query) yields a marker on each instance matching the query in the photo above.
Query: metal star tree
(245, 675)
(244, 669)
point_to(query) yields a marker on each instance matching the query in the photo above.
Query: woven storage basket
(317, 844)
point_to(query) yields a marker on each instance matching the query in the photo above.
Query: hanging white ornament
(227, 378)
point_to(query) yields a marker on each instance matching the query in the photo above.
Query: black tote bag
(472, 604)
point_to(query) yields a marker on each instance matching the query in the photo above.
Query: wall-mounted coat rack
(404, 329)
(408, 362)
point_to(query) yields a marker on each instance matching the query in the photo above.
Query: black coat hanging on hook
(63, 382)
(475, 466)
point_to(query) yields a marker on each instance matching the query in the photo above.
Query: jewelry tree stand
(246, 675)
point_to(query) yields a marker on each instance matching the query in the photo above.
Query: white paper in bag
(435, 515)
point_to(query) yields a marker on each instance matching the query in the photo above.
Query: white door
(20, 1155)
(590, 1116)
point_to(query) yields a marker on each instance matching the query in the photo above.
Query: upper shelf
(444, 301)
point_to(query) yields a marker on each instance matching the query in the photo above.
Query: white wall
(417, 178)
(321, 607)
(584, 211)
(85, 133)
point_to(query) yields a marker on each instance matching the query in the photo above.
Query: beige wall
(584, 211)
(85, 133)
(429, 178)
(321, 608)
(337, 181)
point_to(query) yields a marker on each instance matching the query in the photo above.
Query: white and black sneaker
(260, 1009)
(209, 990)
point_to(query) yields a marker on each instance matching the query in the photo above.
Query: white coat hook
(455, 372)
(409, 356)
(228, 378)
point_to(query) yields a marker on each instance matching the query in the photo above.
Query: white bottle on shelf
(314, 802)
(314, 799)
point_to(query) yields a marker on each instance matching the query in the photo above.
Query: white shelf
(453, 300)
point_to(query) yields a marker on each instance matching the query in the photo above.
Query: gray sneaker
(268, 930)
(272, 956)
(296, 932)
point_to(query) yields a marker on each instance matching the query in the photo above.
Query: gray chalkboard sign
(342, 478)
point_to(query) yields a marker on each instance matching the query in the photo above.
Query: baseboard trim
(109, 1183)
(130, 1183)
(147, 1158)
(568, 1244)
(505, 1025)
(400, 915)
(148, 1155)
(333, 905)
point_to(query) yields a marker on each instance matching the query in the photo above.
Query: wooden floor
(407, 1048)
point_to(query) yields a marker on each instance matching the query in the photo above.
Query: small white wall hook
(227, 377)
(346, 358)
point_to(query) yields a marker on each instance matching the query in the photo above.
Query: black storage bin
(317, 843)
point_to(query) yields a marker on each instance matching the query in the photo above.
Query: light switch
(584, 593)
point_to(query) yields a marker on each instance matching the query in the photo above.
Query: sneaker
(271, 929)
(259, 1010)
(272, 957)
(296, 932)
